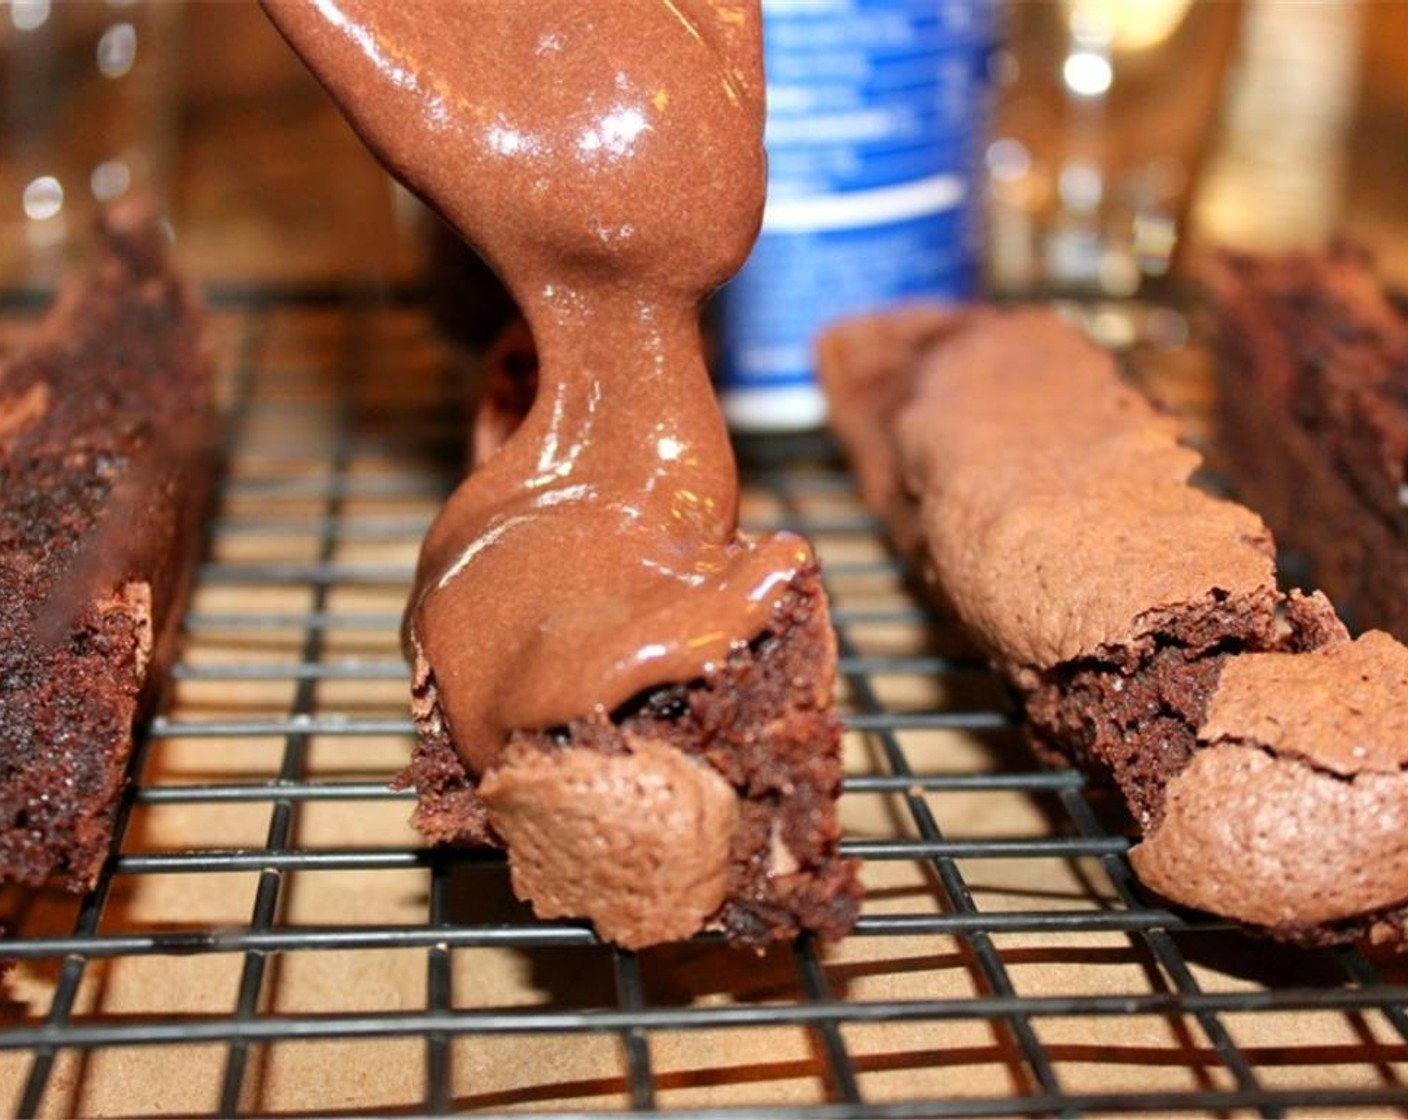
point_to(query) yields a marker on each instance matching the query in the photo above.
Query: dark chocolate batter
(606, 159)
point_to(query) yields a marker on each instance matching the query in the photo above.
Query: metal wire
(342, 489)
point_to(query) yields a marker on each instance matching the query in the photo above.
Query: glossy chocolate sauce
(606, 159)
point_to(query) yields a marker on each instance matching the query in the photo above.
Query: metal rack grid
(269, 937)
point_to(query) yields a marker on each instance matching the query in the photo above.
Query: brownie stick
(104, 467)
(1139, 619)
(608, 676)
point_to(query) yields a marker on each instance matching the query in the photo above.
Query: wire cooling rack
(270, 937)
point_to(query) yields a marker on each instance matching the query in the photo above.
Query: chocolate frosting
(607, 161)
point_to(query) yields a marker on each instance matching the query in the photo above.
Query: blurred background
(1126, 137)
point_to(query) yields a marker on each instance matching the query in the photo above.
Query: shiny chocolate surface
(606, 159)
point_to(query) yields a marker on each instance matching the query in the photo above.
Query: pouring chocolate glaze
(606, 159)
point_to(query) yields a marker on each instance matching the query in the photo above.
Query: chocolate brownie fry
(104, 464)
(1139, 619)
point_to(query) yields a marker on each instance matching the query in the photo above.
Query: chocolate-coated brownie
(704, 804)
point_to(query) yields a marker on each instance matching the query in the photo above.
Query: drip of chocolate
(606, 159)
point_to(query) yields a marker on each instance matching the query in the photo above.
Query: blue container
(876, 111)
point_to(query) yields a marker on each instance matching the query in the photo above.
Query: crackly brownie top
(1057, 502)
(1279, 844)
(1339, 707)
(867, 365)
(1300, 751)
